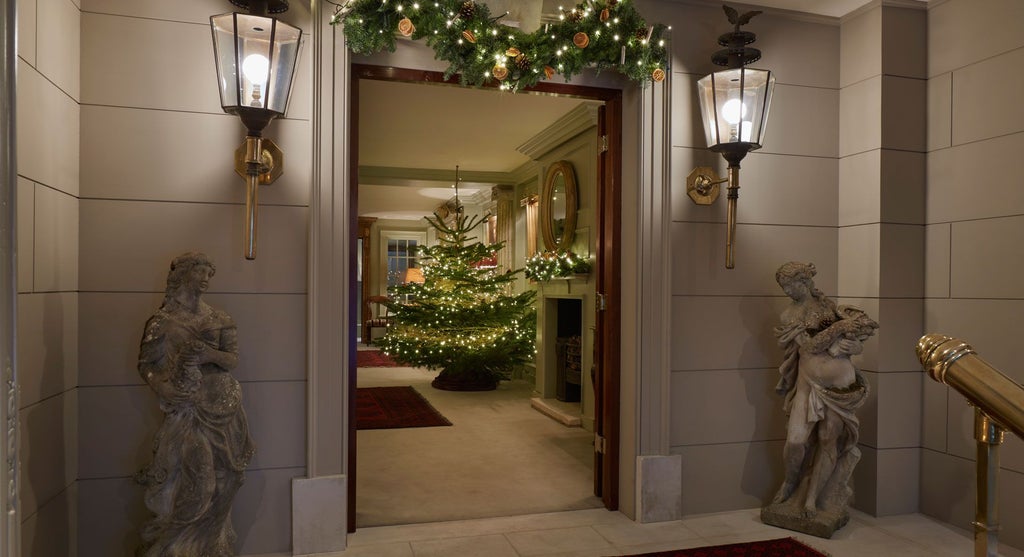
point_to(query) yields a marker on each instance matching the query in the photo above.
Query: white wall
(48, 217)
(581, 153)
(973, 251)
(157, 180)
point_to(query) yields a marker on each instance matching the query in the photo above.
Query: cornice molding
(573, 123)
(397, 176)
(908, 4)
(526, 172)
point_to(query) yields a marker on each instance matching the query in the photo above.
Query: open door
(608, 318)
(605, 371)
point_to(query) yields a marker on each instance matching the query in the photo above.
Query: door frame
(607, 265)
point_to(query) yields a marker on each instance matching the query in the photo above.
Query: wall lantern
(734, 106)
(255, 56)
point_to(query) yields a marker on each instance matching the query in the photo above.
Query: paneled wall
(726, 420)
(973, 251)
(48, 258)
(157, 180)
(881, 237)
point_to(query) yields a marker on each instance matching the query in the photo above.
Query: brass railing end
(937, 352)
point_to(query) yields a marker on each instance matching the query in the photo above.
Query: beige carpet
(499, 458)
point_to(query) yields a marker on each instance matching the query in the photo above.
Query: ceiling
(413, 135)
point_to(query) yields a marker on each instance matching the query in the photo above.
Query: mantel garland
(604, 34)
(557, 264)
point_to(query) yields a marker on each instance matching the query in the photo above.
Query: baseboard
(319, 515)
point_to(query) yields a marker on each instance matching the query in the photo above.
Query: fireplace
(568, 349)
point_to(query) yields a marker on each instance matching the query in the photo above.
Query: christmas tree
(462, 319)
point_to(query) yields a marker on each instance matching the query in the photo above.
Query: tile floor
(600, 533)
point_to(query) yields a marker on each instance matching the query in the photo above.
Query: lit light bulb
(255, 67)
(733, 111)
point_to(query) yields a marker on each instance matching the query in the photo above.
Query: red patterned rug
(394, 407)
(374, 358)
(782, 547)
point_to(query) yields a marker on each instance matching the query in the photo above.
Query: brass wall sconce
(734, 107)
(255, 56)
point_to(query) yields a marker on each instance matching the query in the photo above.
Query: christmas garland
(605, 34)
(548, 265)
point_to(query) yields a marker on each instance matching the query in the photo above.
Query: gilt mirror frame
(551, 243)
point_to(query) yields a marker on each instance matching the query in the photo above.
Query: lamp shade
(734, 106)
(413, 275)
(255, 58)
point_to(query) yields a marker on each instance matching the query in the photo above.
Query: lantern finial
(737, 54)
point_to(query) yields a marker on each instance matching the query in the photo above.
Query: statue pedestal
(789, 515)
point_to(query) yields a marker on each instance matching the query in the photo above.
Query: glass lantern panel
(734, 105)
(706, 96)
(223, 27)
(285, 55)
(255, 60)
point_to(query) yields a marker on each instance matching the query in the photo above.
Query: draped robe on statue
(203, 446)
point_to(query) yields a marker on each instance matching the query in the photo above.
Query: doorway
(605, 231)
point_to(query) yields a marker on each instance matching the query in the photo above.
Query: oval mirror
(558, 206)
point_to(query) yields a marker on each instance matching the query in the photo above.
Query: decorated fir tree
(461, 319)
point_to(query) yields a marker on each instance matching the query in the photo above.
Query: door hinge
(599, 444)
(602, 146)
(601, 305)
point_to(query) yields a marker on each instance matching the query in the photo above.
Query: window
(399, 254)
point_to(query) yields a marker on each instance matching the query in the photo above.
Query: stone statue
(822, 389)
(203, 446)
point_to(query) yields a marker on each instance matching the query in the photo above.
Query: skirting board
(319, 521)
(659, 488)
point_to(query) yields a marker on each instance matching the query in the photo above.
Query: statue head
(794, 271)
(181, 269)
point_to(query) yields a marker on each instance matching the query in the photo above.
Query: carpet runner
(395, 407)
(374, 358)
(782, 547)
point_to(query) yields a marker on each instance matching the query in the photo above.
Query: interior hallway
(499, 458)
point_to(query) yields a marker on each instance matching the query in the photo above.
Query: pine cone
(612, 3)
(575, 16)
(641, 34)
(467, 10)
(523, 62)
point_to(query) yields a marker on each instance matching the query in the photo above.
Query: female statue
(203, 446)
(822, 389)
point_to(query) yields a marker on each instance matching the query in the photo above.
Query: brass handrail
(998, 406)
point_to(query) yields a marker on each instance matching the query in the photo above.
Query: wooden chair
(382, 320)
